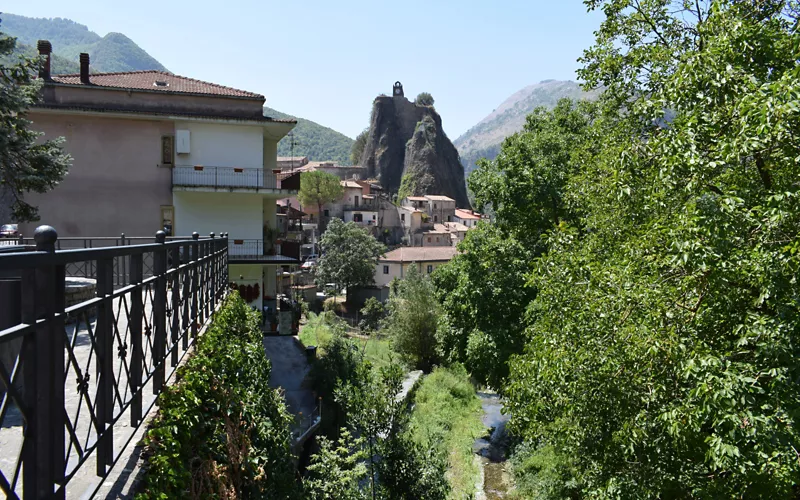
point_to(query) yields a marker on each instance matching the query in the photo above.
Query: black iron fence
(224, 177)
(249, 249)
(69, 374)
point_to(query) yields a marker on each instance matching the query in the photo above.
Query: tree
(349, 256)
(372, 314)
(25, 164)
(424, 99)
(337, 469)
(357, 151)
(661, 354)
(412, 320)
(318, 188)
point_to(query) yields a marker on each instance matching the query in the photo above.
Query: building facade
(395, 264)
(152, 150)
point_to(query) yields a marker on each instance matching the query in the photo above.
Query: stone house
(395, 264)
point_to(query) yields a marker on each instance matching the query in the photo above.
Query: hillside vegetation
(484, 139)
(113, 52)
(316, 141)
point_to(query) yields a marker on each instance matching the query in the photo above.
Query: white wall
(396, 270)
(270, 160)
(223, 145)
(238, 214)
(248, 274)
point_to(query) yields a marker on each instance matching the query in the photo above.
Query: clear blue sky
(327, 60)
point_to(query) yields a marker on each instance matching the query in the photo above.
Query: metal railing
(224, 177)
(248, 249)
(70, 374)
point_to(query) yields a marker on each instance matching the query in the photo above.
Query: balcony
(261, 251)
(232, 179)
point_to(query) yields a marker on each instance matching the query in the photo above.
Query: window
(355, 199)
(434, 205)
(437, 239)
(448, 219)
(358, 218)
(374, 217)
(326, 213)
(385, 269)
(167, 149)
(167, 219)
(429, 239)
(403, 217)
(430, 268)
(435, 218)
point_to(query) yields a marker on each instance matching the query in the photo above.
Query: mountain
(484, 139)
(408, 151)
(311, 139)
(113, 52)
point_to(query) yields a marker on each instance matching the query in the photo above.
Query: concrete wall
(238, 214)
(399, 271)
(115, 183)
(223, 145)
(153, 101)
(270, 158)
(368, 218)
(248, 274)
(436, 240)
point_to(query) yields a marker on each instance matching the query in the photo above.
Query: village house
(153, 150)
(468, 218)
(395, 264)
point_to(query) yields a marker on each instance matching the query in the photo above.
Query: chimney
(84, 68)
(45, 49)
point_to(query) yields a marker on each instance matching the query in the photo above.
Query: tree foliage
(372, 314)
(26, 163)
(413, 315)
(662, 343)
(318, 188)
(424, 99)
(349, 255)
(337, 469)
(357, 150)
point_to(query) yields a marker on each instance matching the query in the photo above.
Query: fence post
(214, 275)
(104, 364)
(186, 296)
(137, 315)
(159, 312)
(175, 309)
(42, 359)
(195, 290)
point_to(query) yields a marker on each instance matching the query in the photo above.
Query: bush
(424, 99)
(372, 314)
(220, 430)
(544, 473)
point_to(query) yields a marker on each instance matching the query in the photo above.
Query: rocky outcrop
(407, 146)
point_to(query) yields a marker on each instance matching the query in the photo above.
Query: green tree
(424, 99)
(336, 469)
(26, 164)
(413, 314)
(662, 354)
(318, 188)
(372, 314)
(349, 256)
(358, 147)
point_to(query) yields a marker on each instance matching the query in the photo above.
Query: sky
(327, 60)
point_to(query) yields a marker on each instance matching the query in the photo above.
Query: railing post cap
(195, 235)
(45, 235)
(161, 236)
(211, 235)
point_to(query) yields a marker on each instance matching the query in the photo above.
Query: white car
(309, 265)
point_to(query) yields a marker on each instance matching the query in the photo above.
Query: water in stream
(492, 448)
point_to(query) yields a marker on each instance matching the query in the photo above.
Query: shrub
(220, 430)
(372, 313)
(424, 99)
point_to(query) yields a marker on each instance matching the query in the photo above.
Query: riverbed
(491, 449)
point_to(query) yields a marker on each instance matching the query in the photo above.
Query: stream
(491, 449)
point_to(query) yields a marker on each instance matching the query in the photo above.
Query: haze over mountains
(485, 138)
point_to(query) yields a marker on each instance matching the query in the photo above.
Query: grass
(447, 411)
(319, 328)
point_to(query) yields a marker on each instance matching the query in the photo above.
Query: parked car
(309, 265)
(9, 231)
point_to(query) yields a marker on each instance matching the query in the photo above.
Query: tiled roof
(351, 184)
(466, 214)
(419, 254)
(292, 158)
(417, 198)
(438, 197)
(146, 80)
(455, 226)
(369, 196)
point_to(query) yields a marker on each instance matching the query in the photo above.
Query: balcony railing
(364, 207)
(224, 177)
(261, 250)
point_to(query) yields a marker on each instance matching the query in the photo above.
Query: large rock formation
(407, 146)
